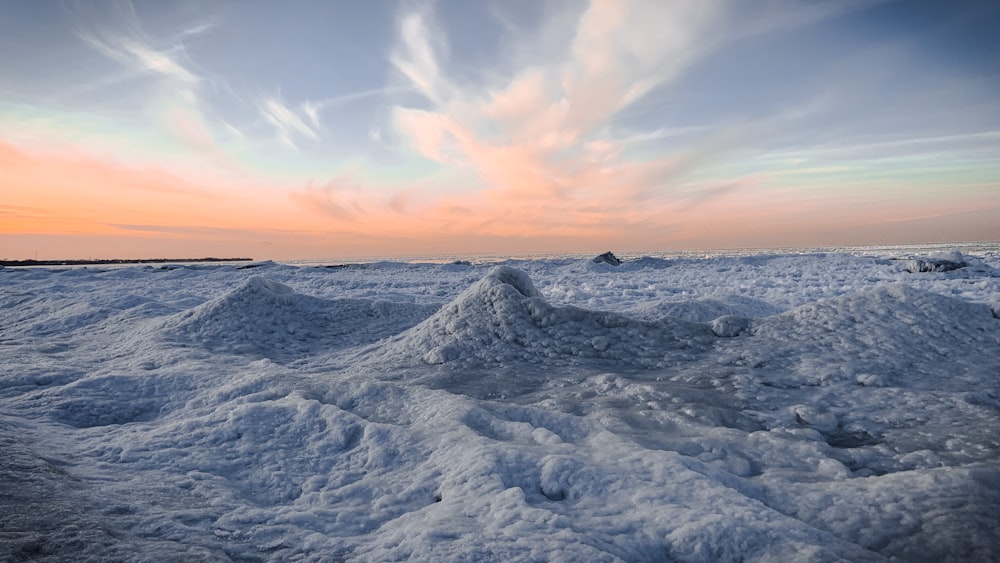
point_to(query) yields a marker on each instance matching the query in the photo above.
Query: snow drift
(270, 319)
(896, 332)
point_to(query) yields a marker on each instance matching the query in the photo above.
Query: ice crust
(821, 407)
(268, 318)
(893, 330)
(503, 319)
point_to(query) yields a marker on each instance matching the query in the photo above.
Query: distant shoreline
(15, 263)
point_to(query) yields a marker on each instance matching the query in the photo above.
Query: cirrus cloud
(542, 139)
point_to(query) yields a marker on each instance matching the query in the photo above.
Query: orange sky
(75, 205)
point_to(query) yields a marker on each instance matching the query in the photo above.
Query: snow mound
(502, 318)
(728, 326)
(270, 319)
(705, 310)
(891, 332)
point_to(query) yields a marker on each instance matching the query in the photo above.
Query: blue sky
(385, 127)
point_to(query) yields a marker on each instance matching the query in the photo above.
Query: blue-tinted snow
(817, 407)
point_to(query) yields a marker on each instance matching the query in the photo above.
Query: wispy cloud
(118, 34)
(21, 211)
(543, 143)
(313, 109)
(986, 143)
(341, 199)
(777, 15)
(174, 94)
(416, 56)
(289, 122)
(546, 131)
(305, 119)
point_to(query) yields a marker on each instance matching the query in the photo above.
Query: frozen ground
(813, 407)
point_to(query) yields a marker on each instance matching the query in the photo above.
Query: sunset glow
(311, 130)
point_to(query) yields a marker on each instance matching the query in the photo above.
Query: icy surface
(818, 407)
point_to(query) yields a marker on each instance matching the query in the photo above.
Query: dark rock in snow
(608, 258)
(933, 265)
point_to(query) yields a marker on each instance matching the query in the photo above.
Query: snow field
(811, 408)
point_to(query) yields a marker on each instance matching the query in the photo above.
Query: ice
(268, 318)
(893, 330)
(809, 407)
(503, 319)
(940, 262)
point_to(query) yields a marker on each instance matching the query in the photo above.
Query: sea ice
(816, 407)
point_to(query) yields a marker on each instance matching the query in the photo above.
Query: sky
(315, 129)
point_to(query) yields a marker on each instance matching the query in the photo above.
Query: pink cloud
(539, 144)
(340, 199)
(429, 133)
(72, 204)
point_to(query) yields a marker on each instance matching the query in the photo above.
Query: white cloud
(289, 122)
(313, 109)
(417, 56)
(118, 34)
(775, 15)
(549, 115)
(173, 91)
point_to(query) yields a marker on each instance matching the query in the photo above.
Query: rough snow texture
(820, 407)
(268, 318)
(503, 319)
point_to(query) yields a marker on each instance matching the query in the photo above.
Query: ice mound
(270, 319)
(917, 266)
(705, 310)
(954, 263)
(728, 326)
(503, 318)
(607, 258)
(941, 262)
(892, 332)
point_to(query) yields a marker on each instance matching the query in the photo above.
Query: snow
(503, 319)
(823, 406)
